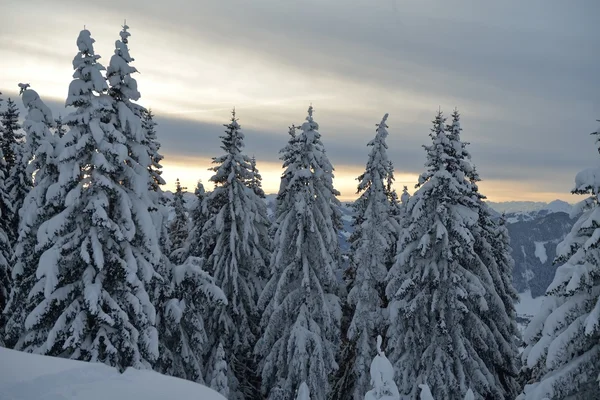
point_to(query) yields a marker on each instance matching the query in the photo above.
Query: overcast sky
(524, 75)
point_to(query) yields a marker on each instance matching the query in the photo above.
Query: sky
(523, 74)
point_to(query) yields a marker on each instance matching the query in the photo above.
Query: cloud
(523, 74)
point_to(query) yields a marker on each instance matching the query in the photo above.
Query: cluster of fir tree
(219, 293)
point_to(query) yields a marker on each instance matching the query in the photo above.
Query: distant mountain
(535, 230)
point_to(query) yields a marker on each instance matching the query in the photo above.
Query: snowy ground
(27, 377)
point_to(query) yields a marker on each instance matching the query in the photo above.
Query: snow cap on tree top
(85, 42)
(310, 123)
(38, 111)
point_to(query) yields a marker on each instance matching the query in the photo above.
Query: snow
(528, 305)
(26, 376)
(540, 251)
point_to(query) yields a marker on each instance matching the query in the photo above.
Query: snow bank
(26, 376)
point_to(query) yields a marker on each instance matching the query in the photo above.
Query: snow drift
(26, 376)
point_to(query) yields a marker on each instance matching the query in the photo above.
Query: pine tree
(439, 287)
(43, 202)
(219, 375)
(11, 133)
(95, 305)
(6, 252)
(60, 128)
(189, 294)
(153, 145)
(382, 378)
(178, 228)
(301, 308)
(17, 183)
(5, 229)
(370, 243)
(495, 272)
(238, 227)
(256, 180)
(562, 350)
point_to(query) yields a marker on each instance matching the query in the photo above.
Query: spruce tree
(11, 133)
(440, 290)
(43, 202)
(238, 227)
(219, 373)
(6, 252)
(60, 127)
(562, 350)
(370, 243)
(94, 277)
(494, 270)
(17, 183)
(256, 180)
(153, 145)
(5, 230)
(178, 227)
(301, 308)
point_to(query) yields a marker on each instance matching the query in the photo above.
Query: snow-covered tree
(439, 288)
(16, 156)
(185, 299)
(41, 203)
(193, 245)
(563, 349)
(218, 381)
(60, 127)
(494, 270)
(5, 247)
(92, 280)
(11, 133)
(301, 308)
(256, 180)
(370, 243)
(382, 378)
(238, 227)
(178, 227)
(153, 145)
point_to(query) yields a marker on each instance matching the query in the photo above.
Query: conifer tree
(382, 378)
(5, 247)
(44, 201)
(301, 307)
(370, 242)
(495, 273)
(219, 375)
(5, 229)
(153, 145)
(238, 227)
(11, 133)
(439, 287)
(178, 228)
(185, 299)
(562, 350)
(93, 279)
(256, 180)
(17, 183)
(60, 128)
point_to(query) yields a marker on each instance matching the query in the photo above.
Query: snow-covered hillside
(26, 377)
